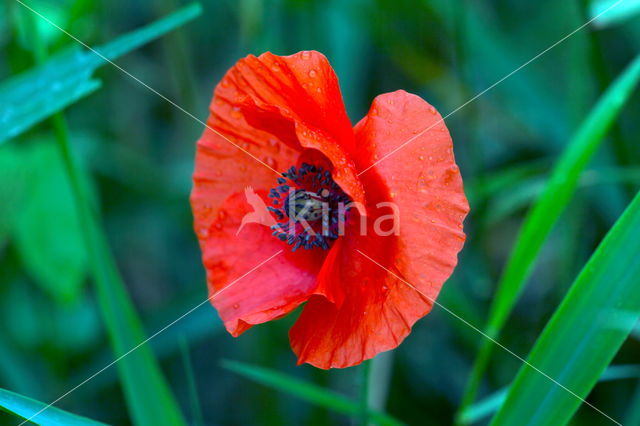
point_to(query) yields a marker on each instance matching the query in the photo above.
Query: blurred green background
(135, 155)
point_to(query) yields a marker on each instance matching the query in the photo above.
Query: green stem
(365, 376)
(379, 379)
(139, 371)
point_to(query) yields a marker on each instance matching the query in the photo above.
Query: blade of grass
(546, 211)
(194, 400)
(34, 95)
(148, 395)
(306, 391)
(579, 341)
(25, 408)
(623, 11)
(493, 402)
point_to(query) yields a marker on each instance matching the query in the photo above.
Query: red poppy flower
(285, 114)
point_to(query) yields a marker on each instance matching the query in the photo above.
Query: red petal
(243, 292)
(378, 309)
(297, 99)
(277, 110)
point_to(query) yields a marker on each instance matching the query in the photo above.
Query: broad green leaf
(306, 391)
(34, 95)
(610, 12)
(47, 232)
(579, 341)
(493, 402)
(545, 212)
(25, 407)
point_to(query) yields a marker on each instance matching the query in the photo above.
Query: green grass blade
(306, 391)
(140, 37)
(493, 402)
(545, 212)
(36, 94)
(584, 333)
(25, 407)
(624, 10)
(148, 396)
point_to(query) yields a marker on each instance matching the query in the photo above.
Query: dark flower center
(309, 206)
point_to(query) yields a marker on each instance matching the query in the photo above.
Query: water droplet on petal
(218, 226)
(270, 162)
(274, 144)
(236, 306)
(222, 214)
(306, 54)
(313, 73)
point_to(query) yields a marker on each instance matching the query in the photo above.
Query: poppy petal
(297, 100)
(274, 110)
(242, 292)
(423, 181)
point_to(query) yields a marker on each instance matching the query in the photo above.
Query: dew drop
(218, 226)
(204, 233)
(236, 306)
(274, 144)
(306, 54)
(313, 73)
(222, 214)
(270, 162)
(421, 158)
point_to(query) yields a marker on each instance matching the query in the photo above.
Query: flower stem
(365, 375)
